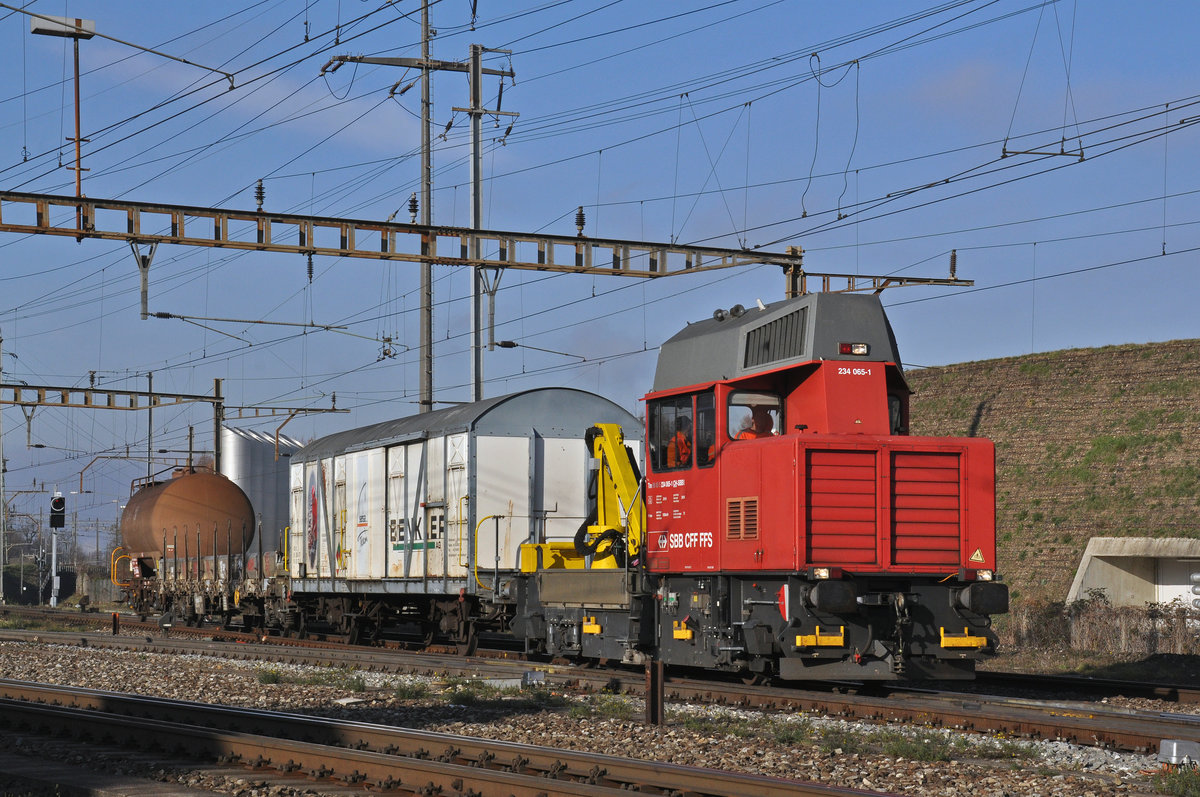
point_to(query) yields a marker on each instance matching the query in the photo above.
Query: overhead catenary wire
(356, 176)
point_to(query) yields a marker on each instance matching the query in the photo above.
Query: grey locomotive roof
(793, 331)
(550, 412)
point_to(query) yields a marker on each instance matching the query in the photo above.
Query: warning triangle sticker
(977, 556)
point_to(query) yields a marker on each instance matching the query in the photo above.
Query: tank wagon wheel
(297, 631)
(469, 646)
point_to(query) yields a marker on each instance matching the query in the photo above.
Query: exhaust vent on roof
(775, 341)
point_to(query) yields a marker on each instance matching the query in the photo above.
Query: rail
(362, 753)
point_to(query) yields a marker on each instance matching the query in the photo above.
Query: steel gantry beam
(94, 398)
(146, 223)
(143, 223)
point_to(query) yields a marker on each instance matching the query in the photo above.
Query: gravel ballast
(895, 759)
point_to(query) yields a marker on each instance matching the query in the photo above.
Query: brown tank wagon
(191, 501)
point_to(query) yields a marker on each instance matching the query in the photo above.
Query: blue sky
(869, 133)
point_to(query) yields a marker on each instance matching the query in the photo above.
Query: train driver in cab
(753, 415)
(679, 448)
(757, 424)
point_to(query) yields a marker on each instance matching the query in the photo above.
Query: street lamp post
(75, 29)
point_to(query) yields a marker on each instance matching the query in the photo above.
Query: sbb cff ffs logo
(58, 512)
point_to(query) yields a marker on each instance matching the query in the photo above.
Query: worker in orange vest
(760, 424)
(679, 448)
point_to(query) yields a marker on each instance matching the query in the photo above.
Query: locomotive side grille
(741, 519)
(781, 339)
(926, 500)
(842, 507)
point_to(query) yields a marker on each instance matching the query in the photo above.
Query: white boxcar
(440, 502)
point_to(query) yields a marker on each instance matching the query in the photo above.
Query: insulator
(259, 194)
(953, 263)
(413, 207)
(310, 269)
(579, 220)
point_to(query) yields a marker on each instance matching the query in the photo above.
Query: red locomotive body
(790, 516)
(875, 504)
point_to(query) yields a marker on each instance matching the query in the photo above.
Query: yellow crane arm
(620, 505)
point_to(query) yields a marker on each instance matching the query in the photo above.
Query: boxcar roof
(549, 412)
(784, 333)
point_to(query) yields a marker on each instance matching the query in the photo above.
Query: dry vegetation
(1089, 443)
(1091, 637)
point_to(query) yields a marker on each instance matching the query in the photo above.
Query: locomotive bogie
(771, 625)
(767, 625)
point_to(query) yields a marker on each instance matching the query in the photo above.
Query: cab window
(751, 416)
(671, 434)
(706, 429)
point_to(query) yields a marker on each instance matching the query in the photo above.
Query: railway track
(370, 756)
(126, 622)
(1076, 686)
(1078, 722)
(1092, 688)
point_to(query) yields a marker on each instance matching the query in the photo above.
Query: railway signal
(1196, 589)
(58, 511)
